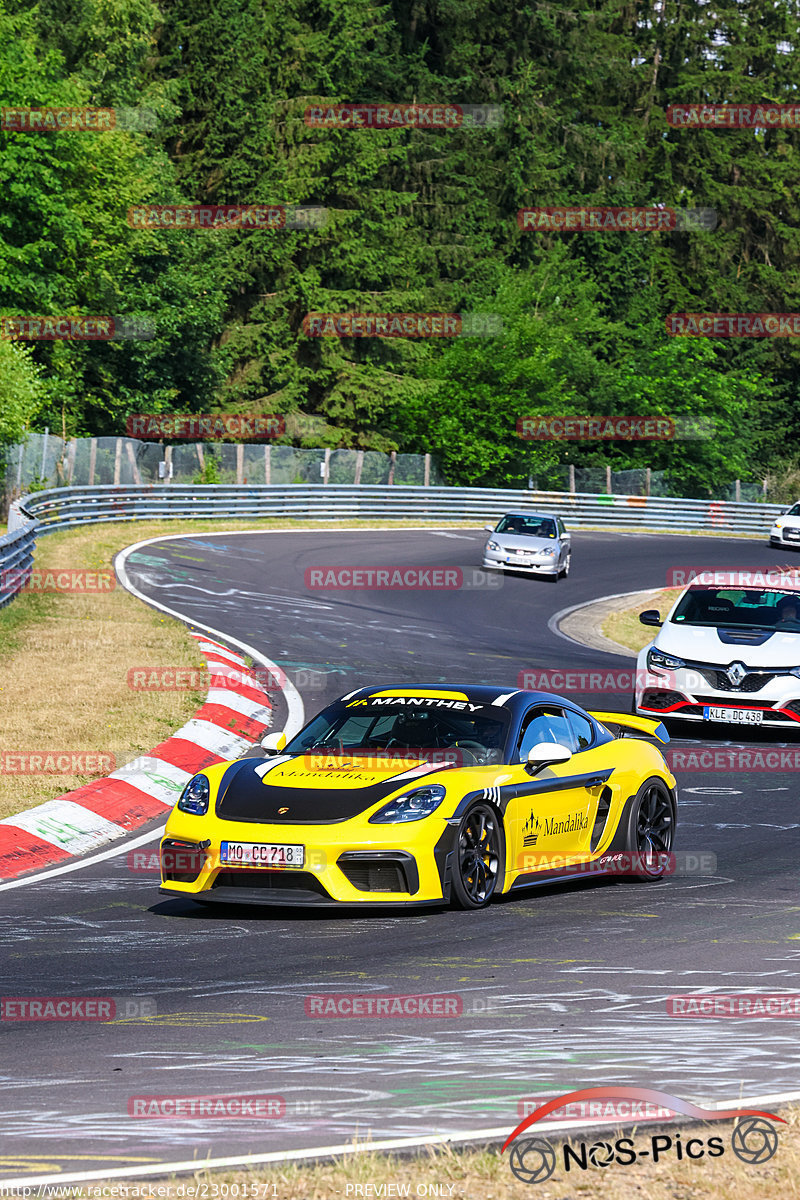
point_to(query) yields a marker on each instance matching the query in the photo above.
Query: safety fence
(46, 460)
(65, 507)
(16, 553)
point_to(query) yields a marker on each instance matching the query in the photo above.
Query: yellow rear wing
(625, 721)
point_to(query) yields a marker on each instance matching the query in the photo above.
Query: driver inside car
(789, 614)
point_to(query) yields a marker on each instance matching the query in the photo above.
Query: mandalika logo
(533, 1160)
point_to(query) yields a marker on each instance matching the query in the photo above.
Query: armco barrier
(65, 507)
(16, 553)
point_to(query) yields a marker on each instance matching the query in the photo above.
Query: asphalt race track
(561, 989)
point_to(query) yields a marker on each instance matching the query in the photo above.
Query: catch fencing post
(44, 452)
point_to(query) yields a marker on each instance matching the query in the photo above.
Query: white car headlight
(411, 806)
(545, 554)
(658, 659)
(494, 546)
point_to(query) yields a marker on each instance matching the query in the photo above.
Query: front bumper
(493, 561)
(787, 536)
(371, 869)
(685, 693)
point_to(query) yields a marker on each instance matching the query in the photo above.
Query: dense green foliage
(419, 220)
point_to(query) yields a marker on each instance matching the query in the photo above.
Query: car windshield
(543, 527)
(794, 511)
(751, 608)
(396, 728)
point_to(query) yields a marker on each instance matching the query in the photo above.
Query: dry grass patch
(485, 1174)
(65, 659)
(624, 627)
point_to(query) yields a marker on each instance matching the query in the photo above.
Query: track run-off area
(560, 988)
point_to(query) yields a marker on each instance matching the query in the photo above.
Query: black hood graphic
(245, 796)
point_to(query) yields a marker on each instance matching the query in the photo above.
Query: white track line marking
(367, 1147)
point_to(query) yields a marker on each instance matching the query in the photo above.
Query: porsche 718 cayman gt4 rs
(420, 796)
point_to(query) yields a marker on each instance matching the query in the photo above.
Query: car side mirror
(650, 616)
(489, 528)
(545, 754)
(273, 743)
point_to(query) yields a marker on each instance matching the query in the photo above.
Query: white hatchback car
(728, 655)
(786, 530)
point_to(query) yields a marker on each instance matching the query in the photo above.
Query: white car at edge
(725, 655)
(786, 530)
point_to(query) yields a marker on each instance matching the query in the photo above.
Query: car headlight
(411, 806)
(657, 658)
(195, 796)
(779, 524)
(544, 554)
(494, 546)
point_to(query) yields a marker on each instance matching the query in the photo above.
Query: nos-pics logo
(754, 1139)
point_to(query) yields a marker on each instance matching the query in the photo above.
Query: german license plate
(734, 716)
(519, 560)
(261, 854)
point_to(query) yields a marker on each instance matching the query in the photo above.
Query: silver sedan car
(531, 542)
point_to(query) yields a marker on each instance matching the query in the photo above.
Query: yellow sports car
(420, 796)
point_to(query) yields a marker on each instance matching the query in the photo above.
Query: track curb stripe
(107, 809)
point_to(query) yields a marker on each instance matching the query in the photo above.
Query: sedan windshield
(543, 527)
(750, 608)
(393, 728)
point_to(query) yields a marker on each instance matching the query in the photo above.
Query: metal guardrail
(66, 507)
(16, 553)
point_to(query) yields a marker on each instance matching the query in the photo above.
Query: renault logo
(736, 673)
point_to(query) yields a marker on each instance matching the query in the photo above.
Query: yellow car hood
(315, 788)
